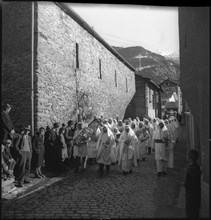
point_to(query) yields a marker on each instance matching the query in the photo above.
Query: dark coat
(38, 150)
(52, 138)
(6, 121)
(15, 150)
(69, 133)
(51, 149)
(193, 190)
(6, 126)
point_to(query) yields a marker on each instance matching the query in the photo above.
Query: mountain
(150, 65)
(174, 56)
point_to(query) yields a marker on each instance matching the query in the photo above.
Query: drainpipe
(32, 72)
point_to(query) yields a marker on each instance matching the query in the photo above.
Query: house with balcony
(147, 99)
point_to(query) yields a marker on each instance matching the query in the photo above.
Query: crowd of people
(114, 141)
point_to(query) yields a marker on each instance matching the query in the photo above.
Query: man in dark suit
(52, 148)
(25, 148)
(7, 125)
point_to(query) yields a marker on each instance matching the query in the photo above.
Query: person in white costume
(116, 134)
(121, 126)
(110, 123)
(127, 156)
(105, 152)
(135, 141)
(160, 138)
(142, 135)
(149, 128)
(79, 151)
(92, 147)
(155, 124)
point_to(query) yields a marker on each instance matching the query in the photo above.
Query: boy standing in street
(193, 185)
(25, 147)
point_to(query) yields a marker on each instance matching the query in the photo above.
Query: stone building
(194, 34)
(55, 66)
(147, 99)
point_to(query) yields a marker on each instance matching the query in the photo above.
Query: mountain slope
(149, 64)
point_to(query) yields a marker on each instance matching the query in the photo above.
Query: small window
(126, 85)
(100, 77)
(157, 98)
(115, 79)
(150, 96)
(153, 101)
(77, 56)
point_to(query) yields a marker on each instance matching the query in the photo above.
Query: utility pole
(77, 99)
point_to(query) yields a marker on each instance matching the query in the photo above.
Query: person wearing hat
(69, 134)
(52, 141)
(25, 146)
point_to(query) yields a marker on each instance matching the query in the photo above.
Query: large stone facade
(61, 87)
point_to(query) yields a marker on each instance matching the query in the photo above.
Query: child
(5, 174)
(193, 185)
(10, 162)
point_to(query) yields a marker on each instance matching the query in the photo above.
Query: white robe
(92, 145)
(105, 153)
(116, 147)
(142, 143)
(79, 151)
(127, 158)
(160, 148)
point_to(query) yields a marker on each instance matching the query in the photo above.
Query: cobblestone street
(138, 195)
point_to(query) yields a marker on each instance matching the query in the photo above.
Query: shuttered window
(115, 79)
(100, 70)
(126, 85)
(77, 55)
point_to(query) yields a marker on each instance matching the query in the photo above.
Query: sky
(153, 27)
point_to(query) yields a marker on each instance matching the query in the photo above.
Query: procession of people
(113, 141)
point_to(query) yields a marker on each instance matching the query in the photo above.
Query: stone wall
(16, 60)
(58, 79)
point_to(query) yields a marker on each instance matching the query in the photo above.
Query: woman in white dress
(104, 149)
(142, 135)
(127, 156)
